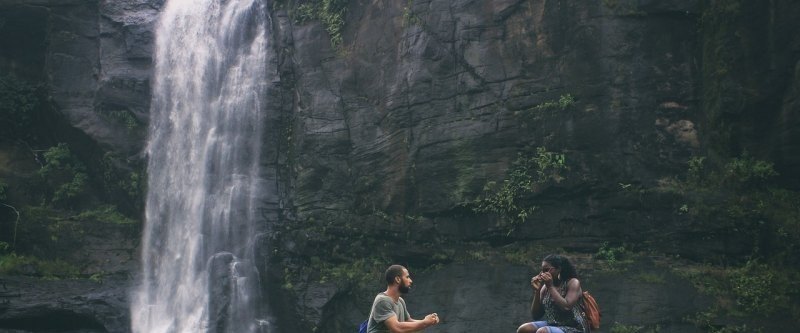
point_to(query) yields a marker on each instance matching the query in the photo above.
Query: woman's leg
(549, 329)
(531, 327)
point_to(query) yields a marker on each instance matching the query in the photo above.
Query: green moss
(651, 278)
(464, 163)
(622, 328)
(12, 264)
(104, 214)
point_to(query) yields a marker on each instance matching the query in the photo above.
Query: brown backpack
(590, 311)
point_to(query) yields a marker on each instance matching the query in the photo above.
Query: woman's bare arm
(573, 295)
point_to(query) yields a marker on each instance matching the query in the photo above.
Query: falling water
(203, 187)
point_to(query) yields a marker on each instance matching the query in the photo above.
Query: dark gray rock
(36, 305)
(425, 102)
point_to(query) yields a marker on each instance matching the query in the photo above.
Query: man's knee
(526, 328)
(543, 330)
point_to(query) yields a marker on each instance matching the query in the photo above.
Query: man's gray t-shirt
(384, 307)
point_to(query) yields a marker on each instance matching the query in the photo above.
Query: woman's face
(548, 268)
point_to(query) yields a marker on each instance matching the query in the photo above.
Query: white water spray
(203, 186)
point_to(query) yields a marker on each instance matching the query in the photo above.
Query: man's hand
(431, 319)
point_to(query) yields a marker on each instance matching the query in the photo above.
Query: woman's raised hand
(547, 279)
(536, 282)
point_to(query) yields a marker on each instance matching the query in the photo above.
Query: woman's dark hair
(392, 272)
(561, 262)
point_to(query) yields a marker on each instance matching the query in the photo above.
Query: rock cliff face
(95, 57)
(375, 144)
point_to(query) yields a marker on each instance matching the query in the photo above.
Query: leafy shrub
(330, 12)
(612, 257)
(126, 118)
(64, 174)
(121, 183)
(757, 288)
(19, 102)
(511, 200)
(748, 171)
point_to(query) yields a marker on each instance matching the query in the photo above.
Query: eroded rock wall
(385, 136)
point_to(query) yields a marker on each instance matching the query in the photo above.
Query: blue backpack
(363, 327)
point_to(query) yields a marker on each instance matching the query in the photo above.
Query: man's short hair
(392, 272)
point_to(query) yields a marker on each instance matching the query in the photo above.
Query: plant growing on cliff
(330, 12)
(28, 265)
(121, 182)
(752, 289)
(564, 102)
(729, 197)
(19, 102)
(612, 257)
(3, 189)
(64, 174)
(409, 17)
(125, 118)
(511, 201)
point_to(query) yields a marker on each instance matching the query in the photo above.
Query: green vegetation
(359, 276)
(19, 103)
(756, 285)
(64, 174)
(736, 199)
(752, 289)
(330, 12)
(564, 102)
(621, 328)
(122, 183)
(651, 278)
(512, 201)
(722, 51)
(613, 258)
(737, 195)
(409, 17)
(104, 214)
(125, 118)
(3, 190)
(26, 265)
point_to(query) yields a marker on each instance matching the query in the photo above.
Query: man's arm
(396, 326)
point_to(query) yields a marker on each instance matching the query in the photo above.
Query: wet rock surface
(421, 106)
(70, 305)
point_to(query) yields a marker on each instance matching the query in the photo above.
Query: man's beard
(404, 289)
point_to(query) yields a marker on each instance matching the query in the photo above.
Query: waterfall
(198, 272)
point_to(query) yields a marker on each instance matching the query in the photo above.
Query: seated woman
(557, 292)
